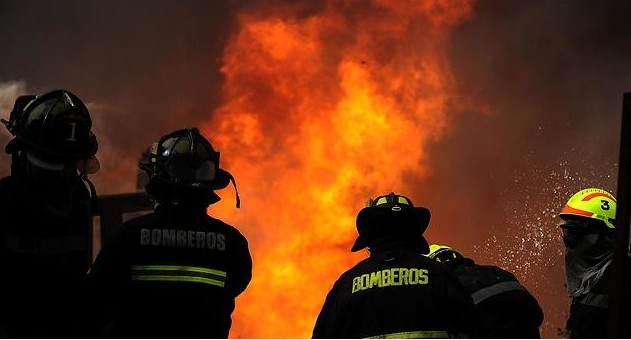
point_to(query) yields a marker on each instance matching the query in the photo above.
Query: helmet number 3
(605, 205)
(73, 132)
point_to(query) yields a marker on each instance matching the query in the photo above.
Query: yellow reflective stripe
(413, 335)
(404, 201)
(180, 268)
(382, 200)
(177, 278)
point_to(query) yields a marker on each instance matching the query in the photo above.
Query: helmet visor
(186, 171)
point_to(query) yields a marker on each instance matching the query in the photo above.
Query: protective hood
(586, 263)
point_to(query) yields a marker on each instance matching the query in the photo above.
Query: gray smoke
(152, 67)
(550, 77)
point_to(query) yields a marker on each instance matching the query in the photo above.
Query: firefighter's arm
(326, 324)
(466, 320)
(106, 277)
(241, 273)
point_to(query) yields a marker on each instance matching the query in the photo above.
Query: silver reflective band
(495, 289)
(44, 164)
(595, 300)
(413, 335)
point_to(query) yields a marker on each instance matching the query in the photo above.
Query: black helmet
(184, 159)
(56, 124)
(388, 211)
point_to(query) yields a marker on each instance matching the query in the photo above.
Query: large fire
(324, 107)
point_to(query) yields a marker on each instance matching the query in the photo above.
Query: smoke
(551, 76)
(153, 67)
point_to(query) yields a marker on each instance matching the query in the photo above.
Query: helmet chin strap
(234, 184)
(93, 198)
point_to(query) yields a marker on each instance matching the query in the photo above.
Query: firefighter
(175, 273)
(396, 292)
(46, 220)
(505, 309)
(588, 235)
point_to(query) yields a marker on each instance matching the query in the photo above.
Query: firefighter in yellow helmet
(588, 234)
(396, 292)
(504, 307)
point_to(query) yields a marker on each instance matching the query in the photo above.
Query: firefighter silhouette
(504, 308)
(396, 292)
(588, 235)
(176, 272)
(45, 235)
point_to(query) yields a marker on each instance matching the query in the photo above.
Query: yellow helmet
(443, 253)
(592, 203)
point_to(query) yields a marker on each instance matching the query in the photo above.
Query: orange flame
(323, 109)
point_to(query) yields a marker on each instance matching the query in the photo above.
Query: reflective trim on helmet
(403, 200)
(45, 164)
(573, 211)
(595, 300)
(178, 273)
(382, 200)
(412, 335)
(495, 289)
(598, 194)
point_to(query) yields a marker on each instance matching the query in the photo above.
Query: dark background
(549, 75)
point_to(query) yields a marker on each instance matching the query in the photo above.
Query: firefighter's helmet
(185, 159)
(592, 203)
(443, 254)
(56, 126)
(388, 211)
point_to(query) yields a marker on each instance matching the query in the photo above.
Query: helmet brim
(414, 217)
(221, 181)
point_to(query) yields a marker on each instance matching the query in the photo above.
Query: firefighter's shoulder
(208, 234)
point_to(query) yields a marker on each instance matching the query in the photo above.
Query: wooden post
(619, 316)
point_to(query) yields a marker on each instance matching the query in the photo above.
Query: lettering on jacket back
(390, 277)
(182, 239)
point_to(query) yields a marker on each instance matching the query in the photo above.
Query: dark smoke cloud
(147, 68)
(550, 75)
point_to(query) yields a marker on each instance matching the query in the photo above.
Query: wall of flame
(323, 109)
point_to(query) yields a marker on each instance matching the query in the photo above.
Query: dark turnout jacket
(589, 313)
(505, 309)
(174, 273)
(396, 292)
(44, 259)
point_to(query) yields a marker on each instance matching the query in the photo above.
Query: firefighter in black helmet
(45, 207)
(505, 309)
(175, 273)
(396, 292)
